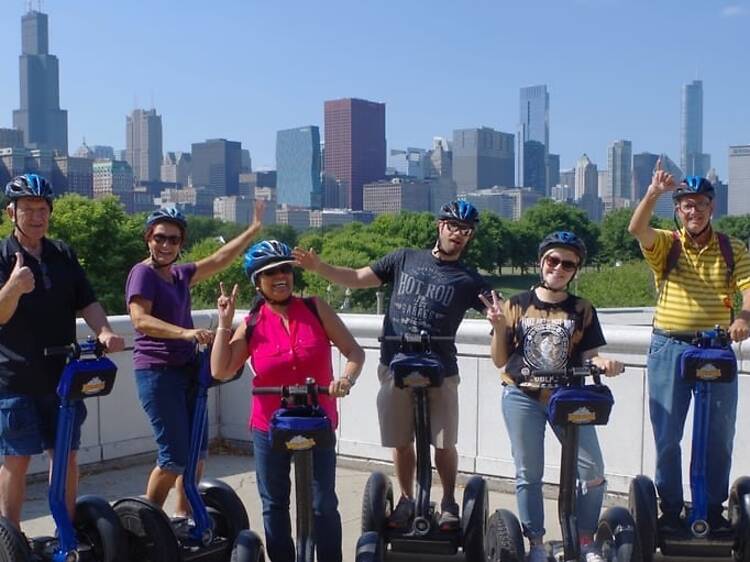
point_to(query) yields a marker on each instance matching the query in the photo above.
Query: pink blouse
(280, 357)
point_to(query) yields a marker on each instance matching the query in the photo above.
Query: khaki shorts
(396, 412)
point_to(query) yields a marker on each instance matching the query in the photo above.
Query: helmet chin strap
(157, 265)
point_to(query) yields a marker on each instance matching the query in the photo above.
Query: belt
(686, 337)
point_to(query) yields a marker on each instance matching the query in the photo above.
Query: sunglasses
(285, 268)
(174, 239)
(567, 265)
(462, 229)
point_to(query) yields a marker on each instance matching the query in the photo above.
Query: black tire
(617, 536)
(377, 503)
(248, 547)
(97, 525)
(150, 537)
(13, 545)
(474, 515)
(369, 548)
(642, 505)
(504, 538)
(739, 513)
(229, 515)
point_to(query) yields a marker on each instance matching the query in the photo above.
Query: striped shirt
(696, 293)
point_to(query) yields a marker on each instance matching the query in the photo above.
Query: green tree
(281, 232)
(737, 226)
(548, 216)
(417, 230)
(108, 243)
(524, 242)
(200, 228)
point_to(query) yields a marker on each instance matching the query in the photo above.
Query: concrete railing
(116, 426)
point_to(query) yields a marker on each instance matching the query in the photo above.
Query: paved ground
(239, 472)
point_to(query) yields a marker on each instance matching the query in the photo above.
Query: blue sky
(243, 69)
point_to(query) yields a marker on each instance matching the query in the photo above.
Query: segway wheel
(97, 525)
(377, 503)
(225, 507)
(617, 536)
(149, 534)
(739, 513)
(13, 545)
(474, 514)
(248, 547)
(370, 548)
(504, 539)
(642, 504)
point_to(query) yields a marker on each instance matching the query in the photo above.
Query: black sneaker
(672, 525)
(403, 514)
(448, 517)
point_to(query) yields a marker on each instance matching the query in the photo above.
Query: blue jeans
(28, 424)
(168, 397)
(526, 421)
(669, 399)
(272, 470)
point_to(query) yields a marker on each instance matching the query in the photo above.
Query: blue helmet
(563, 239)
(694, 185)
(265, 255)
(169, 214)
(29, 185)
(460, 211)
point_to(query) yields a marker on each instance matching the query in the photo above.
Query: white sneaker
(537, 553)
(591, 554)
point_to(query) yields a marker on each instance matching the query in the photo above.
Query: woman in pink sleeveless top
(286, 340)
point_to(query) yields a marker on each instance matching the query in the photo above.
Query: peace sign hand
(226, 305)
(662, 181)
(494, 312)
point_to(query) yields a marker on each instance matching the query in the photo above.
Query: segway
(710, 360)
(572, 404)
(217, 513)
(94, 533)
(297, 427)
(417, 368)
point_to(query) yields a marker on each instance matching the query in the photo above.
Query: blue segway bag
(417, 370)
(583, 405)
(300, 428)
(708, 364)
(87, 378)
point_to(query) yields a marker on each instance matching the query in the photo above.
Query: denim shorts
(28, 423)
(167, 395)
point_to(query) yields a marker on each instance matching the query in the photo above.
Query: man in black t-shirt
(42, 288)
(431, 290)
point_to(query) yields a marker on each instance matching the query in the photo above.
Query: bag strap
(254, 316)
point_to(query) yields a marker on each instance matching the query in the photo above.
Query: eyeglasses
(567, 265)
(462, 229)
(688, 206)
(285, 268)
(174, 239)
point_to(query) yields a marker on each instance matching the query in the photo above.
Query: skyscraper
(643, 168)
(620, 163)
(533, 138)
(354, 148)
(482, 158)
(144, 144)
(586, 178)
(216, 165)
(739, 180)
(43, 123)
(298, 167)
(692, 159)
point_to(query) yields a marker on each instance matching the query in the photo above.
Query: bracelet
(221, 329)
(351, 380)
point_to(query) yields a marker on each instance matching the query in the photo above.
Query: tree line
(109, 242)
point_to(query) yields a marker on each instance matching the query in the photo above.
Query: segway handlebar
(293, 390)
(75, 350)
(553, 378)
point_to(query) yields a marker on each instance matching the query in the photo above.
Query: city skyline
(255, 83)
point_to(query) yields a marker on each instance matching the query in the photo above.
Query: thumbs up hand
(21, 277)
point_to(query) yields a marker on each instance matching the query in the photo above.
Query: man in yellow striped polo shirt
(696, 294)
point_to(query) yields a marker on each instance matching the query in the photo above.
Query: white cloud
(733, 10)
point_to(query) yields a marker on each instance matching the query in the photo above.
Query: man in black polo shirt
(42, 289)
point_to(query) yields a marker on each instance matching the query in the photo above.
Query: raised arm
(229, 351)
(221, 258)
(362, 278)
(640, 227)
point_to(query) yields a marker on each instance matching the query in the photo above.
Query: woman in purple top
(158, 298)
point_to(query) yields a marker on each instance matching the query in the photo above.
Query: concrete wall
(117, 427)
